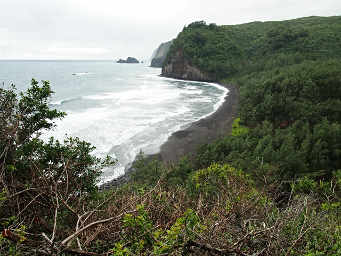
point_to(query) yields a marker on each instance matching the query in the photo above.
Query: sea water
(122, 109)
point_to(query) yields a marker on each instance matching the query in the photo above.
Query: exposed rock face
(157, 62)
(180, 68)
(160, 55)
(128, 60)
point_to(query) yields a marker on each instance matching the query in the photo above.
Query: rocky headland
(160, 54)
(177, 66)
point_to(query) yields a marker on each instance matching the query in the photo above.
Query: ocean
(122, 109)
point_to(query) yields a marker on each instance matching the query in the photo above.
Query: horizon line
(57, 59)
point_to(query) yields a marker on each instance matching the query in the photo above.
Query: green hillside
(224, 51)
(270, 187)
(289, 77)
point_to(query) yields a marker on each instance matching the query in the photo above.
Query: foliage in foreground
(50, 205)
(272, 188)
(41, 183)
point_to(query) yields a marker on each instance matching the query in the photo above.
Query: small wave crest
(63, 101)
(81, 73)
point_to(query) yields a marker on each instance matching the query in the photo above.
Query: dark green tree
(42, 183)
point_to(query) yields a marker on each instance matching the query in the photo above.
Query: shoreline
(187, 141)
(205, 130)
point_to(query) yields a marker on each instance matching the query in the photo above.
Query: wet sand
(206, 130)
(186, 142)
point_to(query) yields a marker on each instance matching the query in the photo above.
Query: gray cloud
(106, 29)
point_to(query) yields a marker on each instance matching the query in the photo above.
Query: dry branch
(74, 235)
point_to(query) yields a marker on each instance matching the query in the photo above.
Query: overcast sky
(109, 29)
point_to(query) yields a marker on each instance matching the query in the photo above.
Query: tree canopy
(271, 187)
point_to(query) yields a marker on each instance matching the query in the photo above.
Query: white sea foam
(192, 91)
(137, 115)
(202, 100)
(221, 99)
(66, 100)
(58, 102)
(104, 96)
(82, 73)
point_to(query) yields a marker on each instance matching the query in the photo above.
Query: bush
(42, 183)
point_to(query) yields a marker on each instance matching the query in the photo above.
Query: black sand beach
(186, 142)
(206, 130)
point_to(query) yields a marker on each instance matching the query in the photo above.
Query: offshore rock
(128, 60)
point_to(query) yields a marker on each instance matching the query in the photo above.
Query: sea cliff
(288, 76)
(177, 66)
(270, 187)
(160, 54)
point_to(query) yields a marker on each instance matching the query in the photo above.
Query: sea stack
(130, 60)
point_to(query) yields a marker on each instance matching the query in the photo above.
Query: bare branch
(298, 239)
(68, 206)
(55, 219)
(210, 249)
(29, 204)
(69, 238)
(22, 191)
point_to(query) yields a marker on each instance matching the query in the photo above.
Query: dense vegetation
(289, 78)
(271, 187)
(225, 51)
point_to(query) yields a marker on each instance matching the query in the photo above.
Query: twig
(69, 238)
(81, 252)
(209, 248)
(68, 206)
(22, 191)
(29, 204)
(55, 219)
(298, 239)
(47, 238)
(252, 233)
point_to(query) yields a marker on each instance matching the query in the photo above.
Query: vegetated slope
(272, 187)
(224, 51)
(289, 77)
